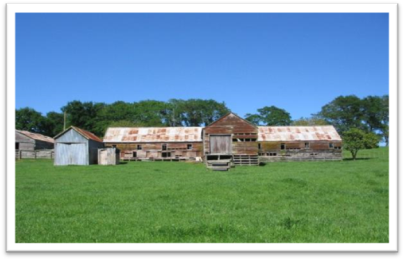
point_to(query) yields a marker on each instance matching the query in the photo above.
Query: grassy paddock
(327, 202)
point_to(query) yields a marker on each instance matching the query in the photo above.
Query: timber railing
(34, 154)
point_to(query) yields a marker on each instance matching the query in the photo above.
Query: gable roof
(153, 134)
(231, 114)
(298, 133)
(84, 133)
(36, 136)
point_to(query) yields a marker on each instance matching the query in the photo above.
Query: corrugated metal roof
(36, 136)
(298, 133)
(153, 134)
(87, 134)
(84, 133)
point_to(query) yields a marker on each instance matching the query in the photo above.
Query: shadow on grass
(123, 162)
(357, 159)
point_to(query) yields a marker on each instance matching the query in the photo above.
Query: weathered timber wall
(155, 150)
(299, 145)
(108, 156)
(238, 129)
(250, 148)
(26, 143)
(34, 154)
(308, 155)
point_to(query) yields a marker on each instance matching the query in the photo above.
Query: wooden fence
(34, 154)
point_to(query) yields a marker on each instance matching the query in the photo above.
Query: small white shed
(108, 156)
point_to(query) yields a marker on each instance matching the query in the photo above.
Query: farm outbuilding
(299, 143)
(161, 143)
(231, 140)
(108, 156)
(76, 146)
(25, 140)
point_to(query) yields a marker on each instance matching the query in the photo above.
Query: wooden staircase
(245, 160)
(218, 162)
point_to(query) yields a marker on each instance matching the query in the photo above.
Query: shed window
(17, 146)
(189, 146)
(134, 154)
(331, 145)
(307, 145)
(139, 147)
(166, 154)
(259, 146)
(164, 147)
(283, 146)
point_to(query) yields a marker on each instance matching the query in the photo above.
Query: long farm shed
(28, 141)
(156, 142)
(230, 139)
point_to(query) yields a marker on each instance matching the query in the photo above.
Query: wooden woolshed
(299, 143)
(76, 146)
(25, 140)
(156, 143)
(108, 156)
(230, 139)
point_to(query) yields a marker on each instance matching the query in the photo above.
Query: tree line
(97, 117)
(368, 115)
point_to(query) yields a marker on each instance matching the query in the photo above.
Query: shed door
(77, 154)
(220, 144)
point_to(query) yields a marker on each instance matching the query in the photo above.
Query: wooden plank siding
(239, 130)
(300, 150)
(155, 150)
(24, 142)
(220, 144)
(312, 145)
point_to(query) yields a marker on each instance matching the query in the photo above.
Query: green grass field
(327, 202)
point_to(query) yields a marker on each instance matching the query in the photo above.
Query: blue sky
(298, 62)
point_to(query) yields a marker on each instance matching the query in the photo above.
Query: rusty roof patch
(153, 134)
(87, 134)
(298, 133)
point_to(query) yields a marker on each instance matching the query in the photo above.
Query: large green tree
(270, 116)
(195, 112)
(84, 115)
(309, 121)
(356, 139)
(54, 123)
(344, 112)
(30, 120)
(376, 115)
(149, 112)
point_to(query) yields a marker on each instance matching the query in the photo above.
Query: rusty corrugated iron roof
(298, 133)
(36, 136)
(86, 134)
(153, 134)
